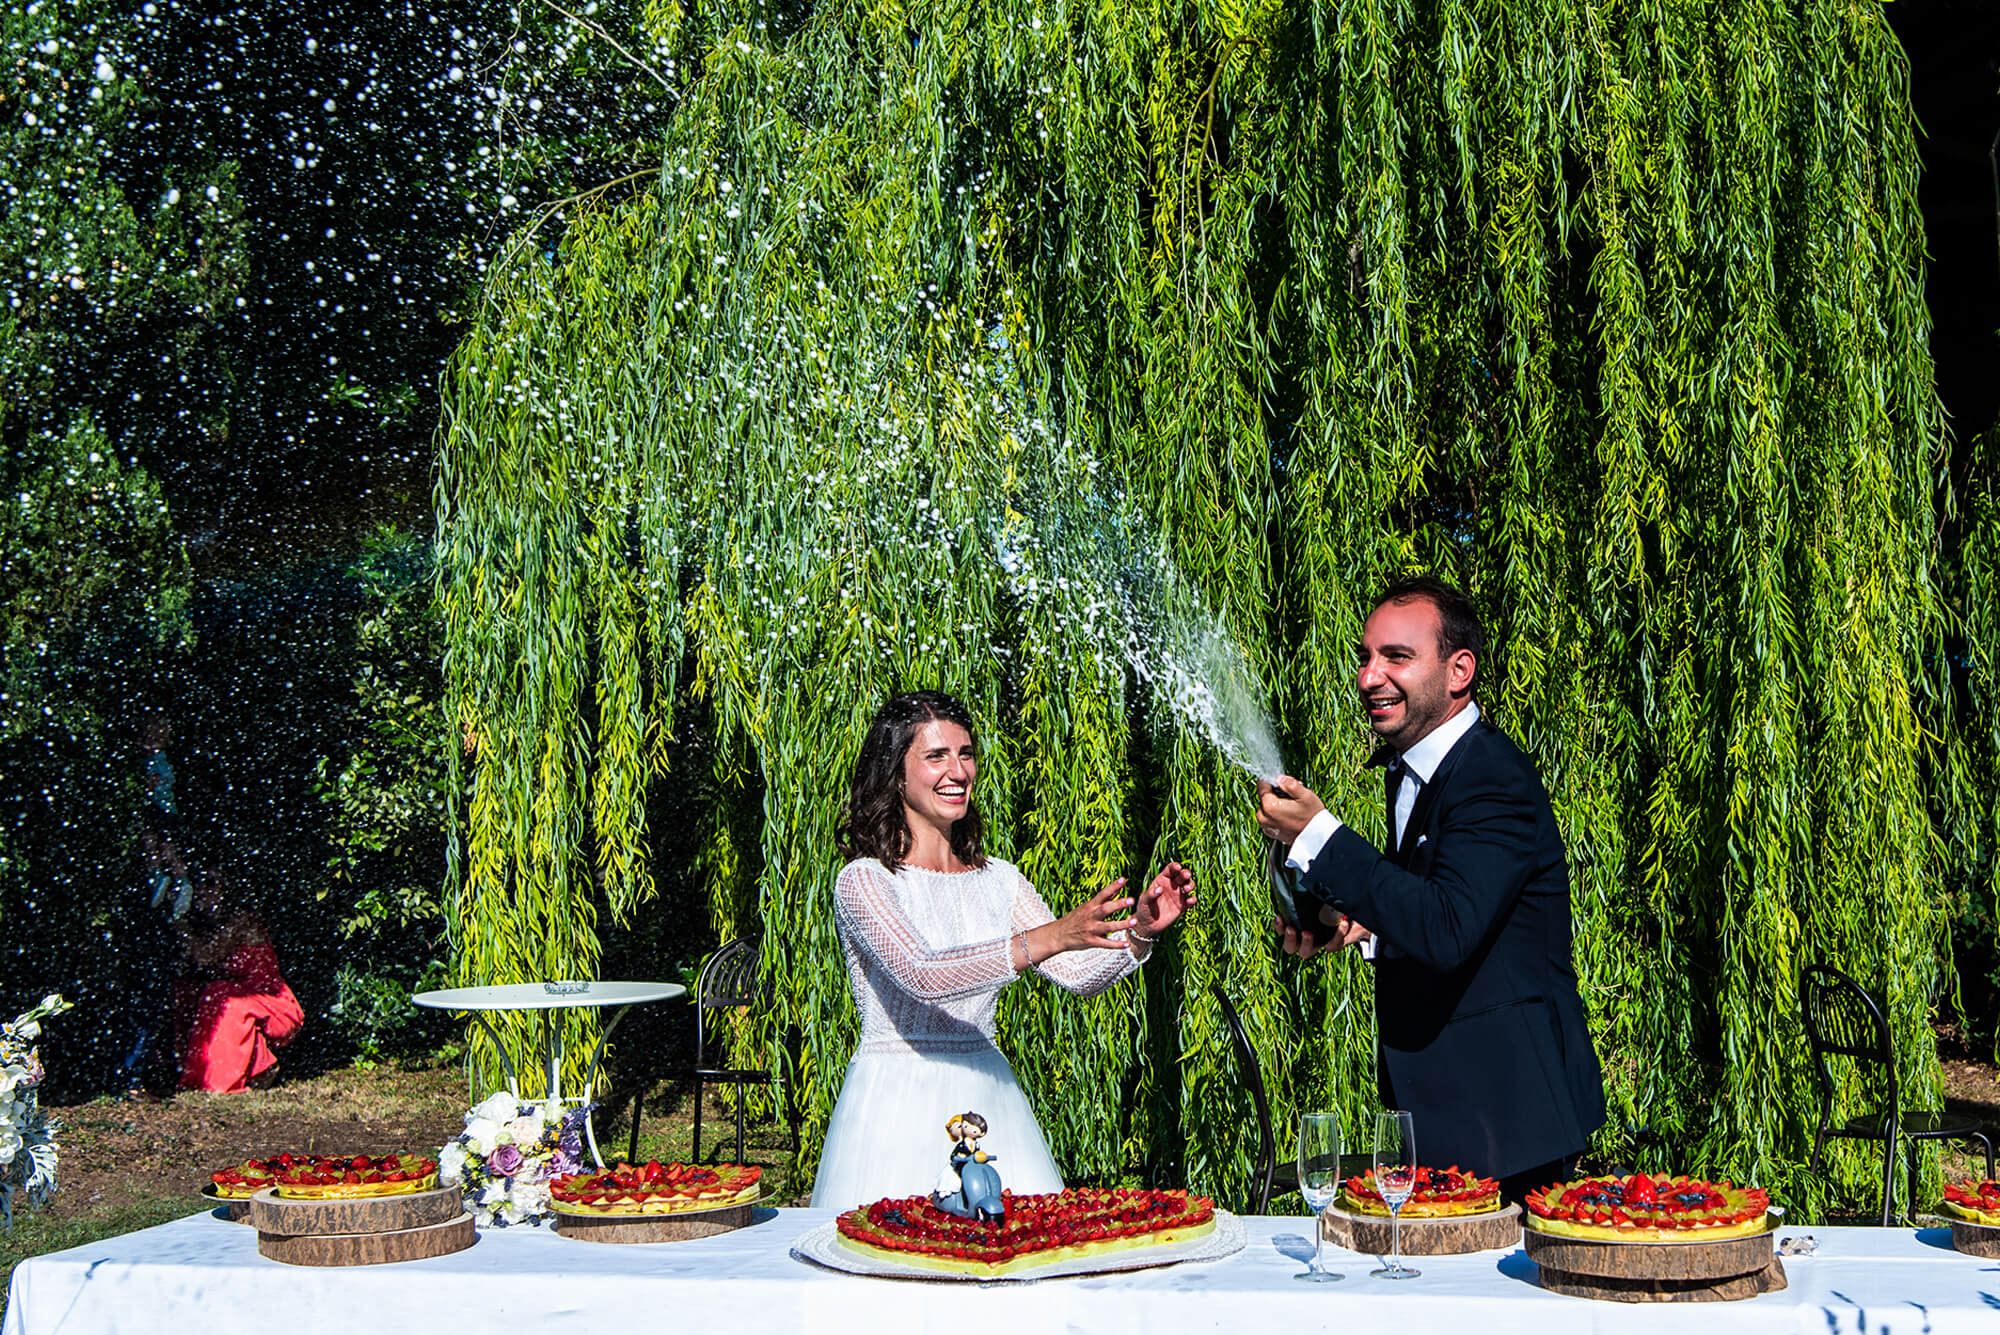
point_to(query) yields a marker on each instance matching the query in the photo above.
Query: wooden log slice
(1975, 1239)
(1678, 1261)
(677, 1227)
(277, 1216)
(1497, 1230)
(408, 1244)
(1607, 1289)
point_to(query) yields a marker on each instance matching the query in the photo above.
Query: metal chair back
(728, 981)
(1842, 1020)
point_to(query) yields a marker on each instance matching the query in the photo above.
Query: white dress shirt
(1421, 762)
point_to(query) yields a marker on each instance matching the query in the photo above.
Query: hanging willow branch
(1609, 309)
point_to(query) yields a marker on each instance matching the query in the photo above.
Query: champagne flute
(1395, 1178)
(1319, 1180)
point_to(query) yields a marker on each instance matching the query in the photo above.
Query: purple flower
(505, 1161)
(564, 1163)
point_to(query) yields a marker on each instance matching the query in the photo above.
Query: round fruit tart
(1078, 1222)
(1440, 1193)
(1973, 1201)
(1648, 1209)
(655, 1188)
(355, 1177)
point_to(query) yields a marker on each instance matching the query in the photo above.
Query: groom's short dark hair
(1458, 624)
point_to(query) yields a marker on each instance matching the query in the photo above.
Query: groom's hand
(1284, 806)
(1295, 940)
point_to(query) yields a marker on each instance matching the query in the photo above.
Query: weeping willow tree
(1608, 309)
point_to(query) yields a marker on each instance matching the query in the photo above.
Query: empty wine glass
(1395, 1178)
(1319, 1180)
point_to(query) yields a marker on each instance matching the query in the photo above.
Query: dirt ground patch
(114, 1152)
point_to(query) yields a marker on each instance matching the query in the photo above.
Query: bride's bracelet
(1027, 956)
(1134, 934)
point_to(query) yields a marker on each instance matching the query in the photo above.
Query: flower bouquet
(27, 1136)
(507, 1154)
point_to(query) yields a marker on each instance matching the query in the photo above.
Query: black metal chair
(728, 982)
(1842, 1020)
(1252, 1077)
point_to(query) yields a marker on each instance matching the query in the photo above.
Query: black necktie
(1390, 761)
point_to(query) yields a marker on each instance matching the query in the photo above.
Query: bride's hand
(1170, 895)
(1089, 925)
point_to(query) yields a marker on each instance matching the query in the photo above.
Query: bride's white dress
(927, 955)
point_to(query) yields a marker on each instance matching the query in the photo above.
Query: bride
(933, 929)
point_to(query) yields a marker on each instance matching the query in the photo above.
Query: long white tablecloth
(204, 1274)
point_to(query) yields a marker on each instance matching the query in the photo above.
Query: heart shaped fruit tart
(1440, 1194)
(352, 1177)
(1066, 1225)
(656, 1188)
(1974, 1201)
(1648, 1209)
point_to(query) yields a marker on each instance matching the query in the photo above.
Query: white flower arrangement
(27, 1136)
(508, 1153)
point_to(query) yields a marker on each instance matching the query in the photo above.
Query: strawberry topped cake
(1973, 1201)
(325, 1178)
(1440, 1193)
(1078, 1222)
(654, 1188)
(1648, 1209)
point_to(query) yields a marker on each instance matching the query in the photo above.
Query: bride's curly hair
(873, 826)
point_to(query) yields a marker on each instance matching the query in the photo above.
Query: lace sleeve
(869, 918)
(1084, 972)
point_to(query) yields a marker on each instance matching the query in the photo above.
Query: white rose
(525, 1131)
(481, 1135)
(530, 1197)
(451, 1164)
(501, 1107)
(511, 1212)
(492, 1194)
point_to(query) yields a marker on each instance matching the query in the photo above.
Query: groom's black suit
(1481, 1031)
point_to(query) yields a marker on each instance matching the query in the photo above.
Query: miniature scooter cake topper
(969, 1187)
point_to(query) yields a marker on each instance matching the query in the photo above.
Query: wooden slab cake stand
(679, 1226)
(374, 1230)
(1657, 1272)
(1452, 1235)
(1974, 1239)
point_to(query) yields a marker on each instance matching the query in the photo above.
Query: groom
(1480, 1031)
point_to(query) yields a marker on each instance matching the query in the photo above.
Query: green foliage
(111, 301)
(1609, 310)
(384, 780)
(372, 1011)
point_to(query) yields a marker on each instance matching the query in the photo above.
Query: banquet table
(204, 1273)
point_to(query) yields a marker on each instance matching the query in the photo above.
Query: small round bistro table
(547, 997)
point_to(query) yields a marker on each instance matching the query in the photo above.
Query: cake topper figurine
(970, 1186)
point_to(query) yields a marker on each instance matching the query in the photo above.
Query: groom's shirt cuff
(1311, 840)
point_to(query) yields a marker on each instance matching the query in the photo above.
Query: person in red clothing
(245, 1010)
